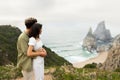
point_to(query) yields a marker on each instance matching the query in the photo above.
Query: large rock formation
(101, 33)
(113, 60)
(103, 37)
(89, 41)
(100, 40)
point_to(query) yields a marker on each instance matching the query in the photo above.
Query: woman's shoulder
(32, 39)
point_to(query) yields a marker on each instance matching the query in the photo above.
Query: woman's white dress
(38, 62)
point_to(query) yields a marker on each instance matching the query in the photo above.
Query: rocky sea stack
(89, 41)
(101, 33)
(99, 40)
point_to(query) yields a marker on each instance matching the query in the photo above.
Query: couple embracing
(30, 52)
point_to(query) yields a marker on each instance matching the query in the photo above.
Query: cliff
(113, 60)
(8, 39)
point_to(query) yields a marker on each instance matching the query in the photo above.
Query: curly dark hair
(29, 22)
(35, 30)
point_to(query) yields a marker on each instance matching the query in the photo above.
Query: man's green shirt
(24, 62)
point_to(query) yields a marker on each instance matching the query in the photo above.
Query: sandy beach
(99, 59)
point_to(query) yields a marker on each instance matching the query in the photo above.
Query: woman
(36, 44)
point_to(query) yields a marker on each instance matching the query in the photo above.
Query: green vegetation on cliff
(52, 59)
(8, 39)
(65, 72)
(70, 73)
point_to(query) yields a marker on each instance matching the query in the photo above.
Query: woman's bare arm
(32, 53)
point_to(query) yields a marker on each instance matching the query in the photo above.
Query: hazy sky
(72, 13)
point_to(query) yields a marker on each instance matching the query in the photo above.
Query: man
(24, 60)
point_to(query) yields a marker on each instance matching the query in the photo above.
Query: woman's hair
(35, 30)
(29, 22)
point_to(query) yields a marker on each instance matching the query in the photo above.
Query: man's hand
(42, 52)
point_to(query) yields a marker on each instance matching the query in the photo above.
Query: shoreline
(98, 59)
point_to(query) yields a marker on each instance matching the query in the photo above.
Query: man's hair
(29, 22)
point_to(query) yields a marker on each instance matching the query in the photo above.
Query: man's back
(24, 62)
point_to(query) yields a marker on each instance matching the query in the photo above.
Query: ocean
(67, 42)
